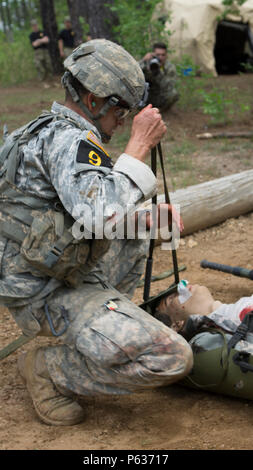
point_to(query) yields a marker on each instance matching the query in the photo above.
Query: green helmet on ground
(106, 69)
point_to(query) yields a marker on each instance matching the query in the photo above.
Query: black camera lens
(154, 64)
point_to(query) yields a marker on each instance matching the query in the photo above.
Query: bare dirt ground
(168, 418)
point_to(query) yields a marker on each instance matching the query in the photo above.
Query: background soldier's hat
(67, 18)
(34, 22)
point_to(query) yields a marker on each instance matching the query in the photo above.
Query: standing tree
(74, 11)
(17, 13)
(100, 18)
(3, 17)
(51, 30)
(25, 12)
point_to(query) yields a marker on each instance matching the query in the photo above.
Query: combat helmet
(108, 71)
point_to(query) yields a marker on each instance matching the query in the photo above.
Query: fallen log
(226, 135)
(210, 203)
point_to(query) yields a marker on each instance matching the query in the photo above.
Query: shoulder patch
(86, 153)
(92, 138)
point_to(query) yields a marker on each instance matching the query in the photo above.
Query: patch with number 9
(94, 157)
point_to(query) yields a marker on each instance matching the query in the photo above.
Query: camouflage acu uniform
(68, 51)
(107, 348)
(42, 63)
(162, 93)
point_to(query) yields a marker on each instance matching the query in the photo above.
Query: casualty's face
(200, 303)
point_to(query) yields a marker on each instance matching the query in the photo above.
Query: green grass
(179, 163)
(178, 156)
(16, 59)
(22, 105)
(210, 172)
(185, 147)
(246, 144)
(228, 146)
(21, 97)
(187, 180)
(121, 137)
(245, 161)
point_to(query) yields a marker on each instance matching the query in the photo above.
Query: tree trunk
(74, 11)
(207, 204)
(3, 19)
(8, 14)
(50, 29)
(83, 8)
(8, 22)
(25, 13)
(100, 18)
(33, 6)
(17, 13)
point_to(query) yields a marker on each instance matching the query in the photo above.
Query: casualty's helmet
(106, 69)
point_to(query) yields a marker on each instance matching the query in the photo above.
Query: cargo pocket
(113, 337)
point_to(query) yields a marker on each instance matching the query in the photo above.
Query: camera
(154, 64)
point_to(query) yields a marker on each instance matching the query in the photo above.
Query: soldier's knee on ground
(144, 353)
(172, 354)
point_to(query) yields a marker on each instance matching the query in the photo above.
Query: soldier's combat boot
(52, 406)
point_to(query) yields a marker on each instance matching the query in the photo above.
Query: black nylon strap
(245, 326)
(149, 265)
(167, 200)
(166, 192)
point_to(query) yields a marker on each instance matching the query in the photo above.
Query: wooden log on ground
(226, 135)
(210, 203)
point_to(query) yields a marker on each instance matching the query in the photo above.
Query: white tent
(193, 25)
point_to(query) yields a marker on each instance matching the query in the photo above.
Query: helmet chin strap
(112, 101)
(95, 119)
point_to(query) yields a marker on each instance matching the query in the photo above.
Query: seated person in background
(193, 306)
(66, 39)
(161, 75)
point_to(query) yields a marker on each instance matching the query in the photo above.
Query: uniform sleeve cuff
(138, 172)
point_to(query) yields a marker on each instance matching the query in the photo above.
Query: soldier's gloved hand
(148, 128)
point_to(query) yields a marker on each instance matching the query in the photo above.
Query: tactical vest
(42, 228)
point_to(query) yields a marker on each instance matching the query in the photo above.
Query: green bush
(189, 83)
(197, 92)
(16, 59)
(224, 105)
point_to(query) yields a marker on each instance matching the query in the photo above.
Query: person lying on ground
(196, 307)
